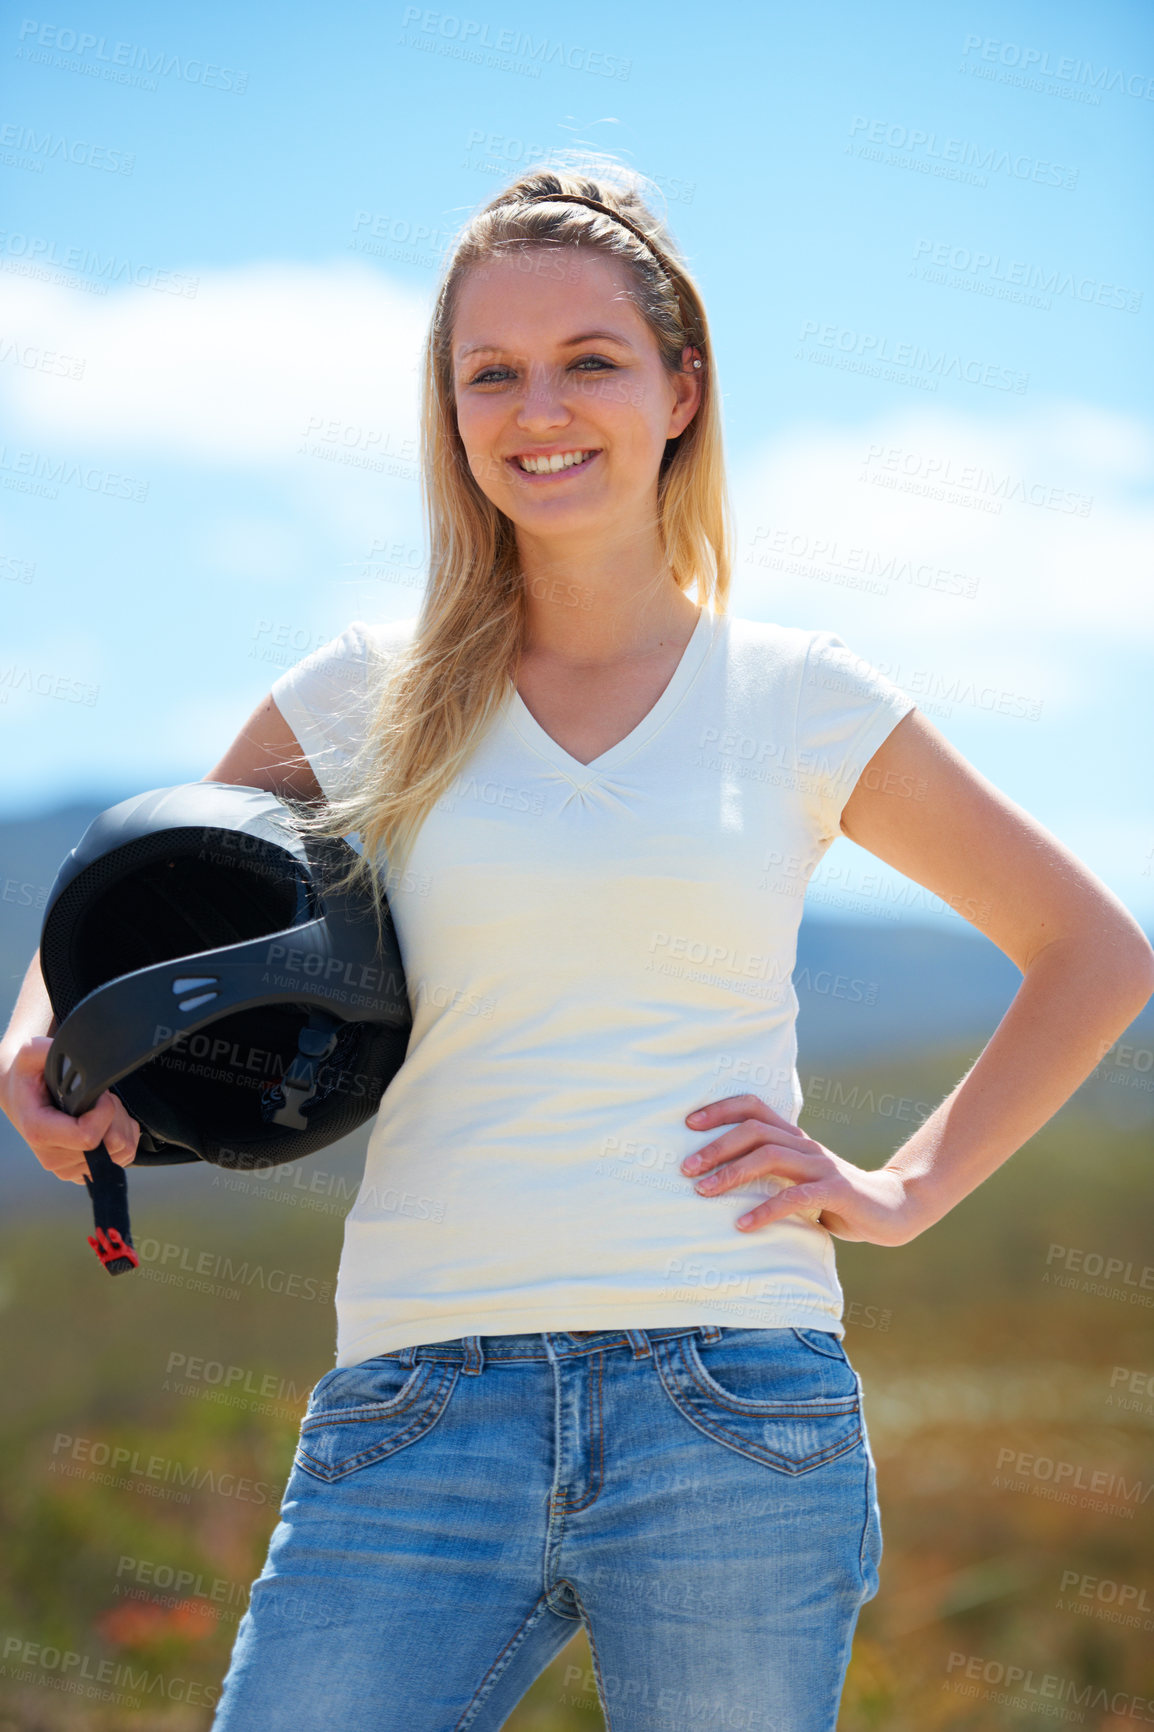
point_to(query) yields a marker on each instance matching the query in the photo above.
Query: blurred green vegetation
(967, 1345)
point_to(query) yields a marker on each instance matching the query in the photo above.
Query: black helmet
(202, 965)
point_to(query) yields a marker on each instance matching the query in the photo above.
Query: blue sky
(923, 238)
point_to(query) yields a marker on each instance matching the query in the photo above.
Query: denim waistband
(471, 1352)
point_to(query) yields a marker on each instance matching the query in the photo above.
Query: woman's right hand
(59, 1141)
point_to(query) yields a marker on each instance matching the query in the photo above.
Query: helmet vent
(185, 985)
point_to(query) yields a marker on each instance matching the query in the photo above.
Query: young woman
(590, 1365)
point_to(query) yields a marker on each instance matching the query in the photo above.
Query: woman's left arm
(1087, 971)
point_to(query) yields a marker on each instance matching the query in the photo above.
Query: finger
(64, 1164)
(733, 1109)
(768, 1161)
(46, 1124)
(122, 1136)
(31, 1055)
(806, 1201)
(749, 1135)
(87, 1129)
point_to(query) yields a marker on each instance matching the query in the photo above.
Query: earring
(697, 363)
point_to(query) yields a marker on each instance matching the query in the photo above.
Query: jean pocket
(358, 1414)
(822, 1341)
(770, 1394)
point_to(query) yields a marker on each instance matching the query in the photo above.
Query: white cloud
(235, 375)
(238, 375)
(1044, 578)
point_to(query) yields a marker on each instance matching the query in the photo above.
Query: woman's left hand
(849, 1202)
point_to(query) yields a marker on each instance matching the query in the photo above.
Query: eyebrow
(566, 343)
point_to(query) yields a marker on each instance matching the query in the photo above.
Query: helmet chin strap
(92, 1049)
(108, 1189)
(107, 1181)
(301, 1080)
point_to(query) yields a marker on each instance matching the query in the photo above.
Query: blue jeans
(703, 1500)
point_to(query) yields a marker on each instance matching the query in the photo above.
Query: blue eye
(485, 378)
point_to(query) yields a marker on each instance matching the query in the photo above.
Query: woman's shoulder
(381, 637)
(814, 662)
(339, 670)
(765, 642)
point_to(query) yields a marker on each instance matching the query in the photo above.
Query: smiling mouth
(560, 463)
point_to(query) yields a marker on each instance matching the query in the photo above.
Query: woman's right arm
(265, 754)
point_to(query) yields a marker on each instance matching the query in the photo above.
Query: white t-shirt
(592, 951)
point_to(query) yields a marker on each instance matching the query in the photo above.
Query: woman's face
(551, 359)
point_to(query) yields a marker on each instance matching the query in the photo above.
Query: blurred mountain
(867, 990)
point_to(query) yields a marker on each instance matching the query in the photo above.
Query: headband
(635, 228)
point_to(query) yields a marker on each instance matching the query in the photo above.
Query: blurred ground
(1007, 1358)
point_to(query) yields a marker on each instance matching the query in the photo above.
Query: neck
(601, 602)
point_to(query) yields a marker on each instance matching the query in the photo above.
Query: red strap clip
(109, 1246)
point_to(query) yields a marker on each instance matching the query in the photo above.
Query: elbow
(1144, 964)
(1116, 953)
(1133, 969)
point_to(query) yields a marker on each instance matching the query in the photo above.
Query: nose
(543, 402)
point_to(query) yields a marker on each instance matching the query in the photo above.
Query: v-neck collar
(692, 657)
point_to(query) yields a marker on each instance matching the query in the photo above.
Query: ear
(687, 387)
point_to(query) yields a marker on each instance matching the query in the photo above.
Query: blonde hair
(430, 705)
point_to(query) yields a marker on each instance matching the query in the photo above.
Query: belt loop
(474, 1357)
(407, 1355)
(639, 1342)
(710, 1332)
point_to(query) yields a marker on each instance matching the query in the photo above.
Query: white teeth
(550, 465)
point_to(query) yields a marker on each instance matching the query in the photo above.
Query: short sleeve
(326, 698)
(846, 708)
